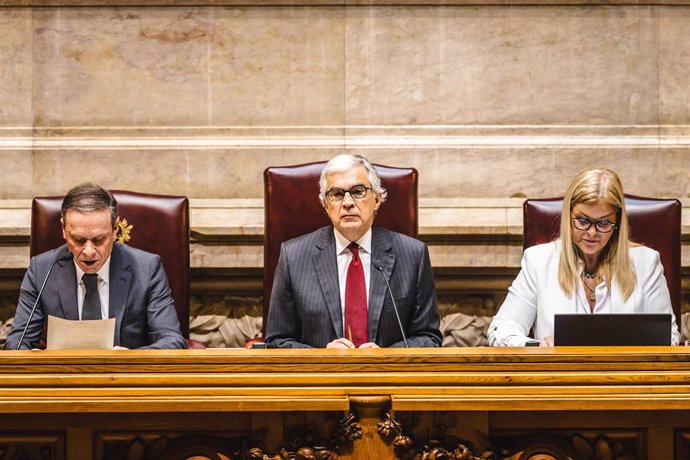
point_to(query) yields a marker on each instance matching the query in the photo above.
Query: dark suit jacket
(140, 299)
(305, 302)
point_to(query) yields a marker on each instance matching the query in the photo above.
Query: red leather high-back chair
(160, 224)
(654, 222)
(292, 208)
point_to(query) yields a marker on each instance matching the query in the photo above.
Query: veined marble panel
(485, 101)
(675, 173)
(226, 256)
(15, 218)
(15, 67)
(237, 217)
(302, 3)
(399, 137)
(237, 173)
(16, 175)
(121, 67)
(277, 66)
(640, 169)
(498, 172)
(506, 65)
(188, 66)
(201, 173)
(184, 66)
(475, 255)
(674, 66)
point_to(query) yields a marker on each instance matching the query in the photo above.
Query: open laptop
(612, 329)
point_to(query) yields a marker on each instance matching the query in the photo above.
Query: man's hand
(344, 343)
(341, 343)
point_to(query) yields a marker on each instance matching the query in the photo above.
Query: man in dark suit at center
(104, 280)
(330, 285)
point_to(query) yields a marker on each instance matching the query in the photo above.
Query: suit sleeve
(27, 297)
(161, 316)
(423, 329)
(283, 326)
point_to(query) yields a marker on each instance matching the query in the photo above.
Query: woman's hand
(546, 341)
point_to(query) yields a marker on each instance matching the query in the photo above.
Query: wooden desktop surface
(506, 388)
(566, 378)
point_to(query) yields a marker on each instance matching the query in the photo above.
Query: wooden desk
(145, 404)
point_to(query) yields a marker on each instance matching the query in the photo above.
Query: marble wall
(486, 101)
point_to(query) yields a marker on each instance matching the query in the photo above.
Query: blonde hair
(588, 187)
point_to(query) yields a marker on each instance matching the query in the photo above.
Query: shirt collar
(581, 269)
(103, 273)
(341, 243)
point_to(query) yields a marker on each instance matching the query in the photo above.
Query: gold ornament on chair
(125, 230)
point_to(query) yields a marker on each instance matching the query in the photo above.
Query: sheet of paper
(64, 334)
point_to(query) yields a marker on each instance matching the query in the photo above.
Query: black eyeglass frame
(596, 224)
(331, 195)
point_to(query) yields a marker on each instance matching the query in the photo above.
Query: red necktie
(355, 300)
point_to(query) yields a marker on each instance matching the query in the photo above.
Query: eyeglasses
(584, 224)
(357, 192)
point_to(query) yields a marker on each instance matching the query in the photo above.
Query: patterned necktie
(92, 301)
(356, 323)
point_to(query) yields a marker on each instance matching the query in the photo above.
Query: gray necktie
(92, 301)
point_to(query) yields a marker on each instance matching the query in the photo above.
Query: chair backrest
(160, 224)
(654, 222)
(292, 208)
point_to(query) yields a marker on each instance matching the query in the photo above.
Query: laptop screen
(612, 329)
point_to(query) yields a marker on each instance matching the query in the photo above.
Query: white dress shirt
(103, 288)
(536, 296)
(344, 256)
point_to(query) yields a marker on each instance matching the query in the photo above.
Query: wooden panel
(577, 444)
(157, 403)
(80, 443)
(654, 378)
(32, 446)
(682, 444)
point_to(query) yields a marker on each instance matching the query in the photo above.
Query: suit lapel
(618, 300)
(382, 255)
(326, 266)
(560, 301)
(120, 279)
(66, 278)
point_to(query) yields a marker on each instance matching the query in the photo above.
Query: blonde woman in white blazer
(591, 268)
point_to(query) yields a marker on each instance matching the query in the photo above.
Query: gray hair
(345, 162)
(87, 198)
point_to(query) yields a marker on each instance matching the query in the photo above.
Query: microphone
(379, 267)
(63, 257)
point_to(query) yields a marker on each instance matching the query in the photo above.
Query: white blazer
(536, 296)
